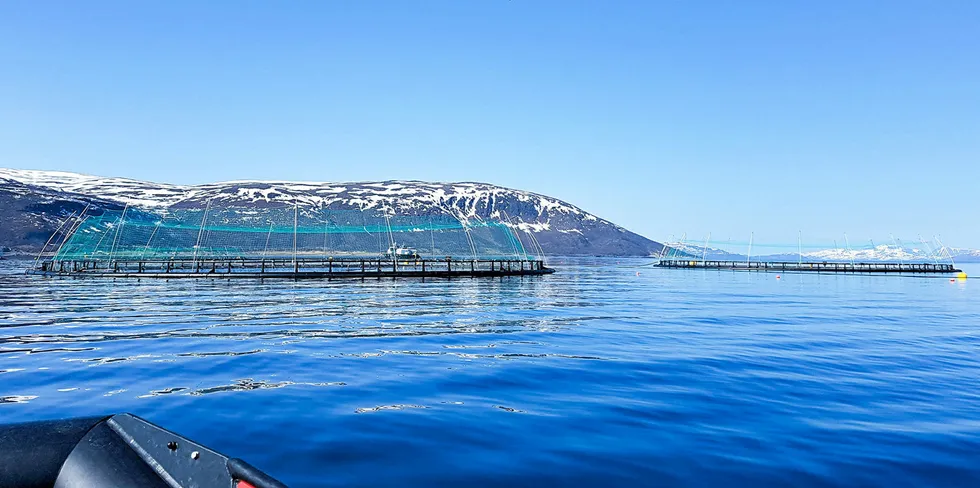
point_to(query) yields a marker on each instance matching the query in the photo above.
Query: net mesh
(288, 230)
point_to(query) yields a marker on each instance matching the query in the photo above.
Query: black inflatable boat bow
(118, 451)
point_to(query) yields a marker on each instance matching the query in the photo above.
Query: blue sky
(663, 116)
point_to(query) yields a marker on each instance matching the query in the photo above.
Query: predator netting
(287, 230)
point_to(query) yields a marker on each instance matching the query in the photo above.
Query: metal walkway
(299, 268)
(821, 267)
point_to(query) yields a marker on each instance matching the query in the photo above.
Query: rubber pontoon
(116, 451)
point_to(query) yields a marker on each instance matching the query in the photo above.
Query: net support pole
(115, 240)
(147, 246)
(295, 226)
(200, 231)
(704, 253)
(71, 230)
(931, 252)
(900, 249)
(946, 249)
(267, 237)
(748, 258)
(801, 248)
(52, 238)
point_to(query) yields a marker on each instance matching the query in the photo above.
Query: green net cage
(276, 231)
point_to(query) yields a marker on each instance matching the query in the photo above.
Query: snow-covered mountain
(32, 204)
(884, 253)
(878, 253)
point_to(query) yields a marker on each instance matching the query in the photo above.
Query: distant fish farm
(821, 267)
(286, 242)
(895, 258)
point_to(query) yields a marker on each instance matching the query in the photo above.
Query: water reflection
(545, 376)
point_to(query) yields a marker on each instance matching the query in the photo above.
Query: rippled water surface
(594, 376)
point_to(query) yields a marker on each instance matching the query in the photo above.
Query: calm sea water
(594, 376)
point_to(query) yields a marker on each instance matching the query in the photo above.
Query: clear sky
(663, 116)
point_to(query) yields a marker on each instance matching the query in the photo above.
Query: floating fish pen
(893, 258)
(299, 268)
(294, 241)
(821, 267)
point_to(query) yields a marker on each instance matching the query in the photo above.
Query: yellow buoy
(961, 275)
